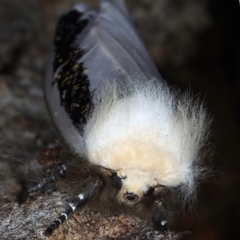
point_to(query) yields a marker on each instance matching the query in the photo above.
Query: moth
(137, 143)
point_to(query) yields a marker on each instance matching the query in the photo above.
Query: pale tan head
(135, 183)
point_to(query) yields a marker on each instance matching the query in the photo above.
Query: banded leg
(160, 223)
(49, 179)
(79, 201)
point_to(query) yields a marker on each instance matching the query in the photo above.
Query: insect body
(115, 112)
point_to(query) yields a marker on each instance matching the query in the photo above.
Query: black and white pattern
(68, 73)
(79, 201)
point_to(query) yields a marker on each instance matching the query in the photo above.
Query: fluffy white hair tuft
(148, 127)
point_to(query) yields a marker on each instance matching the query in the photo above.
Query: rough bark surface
(30, 219)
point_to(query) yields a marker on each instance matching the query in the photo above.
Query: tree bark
(30, 219)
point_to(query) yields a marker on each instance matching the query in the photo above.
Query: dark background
(195, 45)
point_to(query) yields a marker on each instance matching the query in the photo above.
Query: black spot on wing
(68, 72)
(68, 26)
(73, 86)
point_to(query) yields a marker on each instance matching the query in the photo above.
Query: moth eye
(149, 192)
(117, 181)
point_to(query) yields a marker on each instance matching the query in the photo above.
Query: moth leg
(159, 221)
(79, 201)
(49, 179)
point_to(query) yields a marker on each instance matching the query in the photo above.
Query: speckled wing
(91, 48)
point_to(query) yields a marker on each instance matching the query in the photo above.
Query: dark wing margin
(68, 72)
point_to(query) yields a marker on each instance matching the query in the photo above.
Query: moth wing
(91, 49)
(53, 91)
(112, 47)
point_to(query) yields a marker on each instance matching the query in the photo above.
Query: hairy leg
(159, 221)
(50, 178)
(82, 198)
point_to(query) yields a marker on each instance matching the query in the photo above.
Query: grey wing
(113, 48)
(89, 49)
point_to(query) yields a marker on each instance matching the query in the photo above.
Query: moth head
(135, 184)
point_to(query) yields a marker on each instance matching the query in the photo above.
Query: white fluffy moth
(136, 142)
